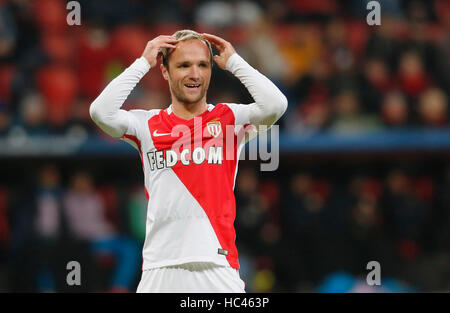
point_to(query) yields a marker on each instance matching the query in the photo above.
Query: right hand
(153, 48)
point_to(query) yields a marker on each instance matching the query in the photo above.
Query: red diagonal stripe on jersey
(210, 184)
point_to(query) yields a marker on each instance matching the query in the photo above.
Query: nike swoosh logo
(156, 134)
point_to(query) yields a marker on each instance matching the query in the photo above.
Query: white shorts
(195, 277)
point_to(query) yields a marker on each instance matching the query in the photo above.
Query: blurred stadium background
(364, 147)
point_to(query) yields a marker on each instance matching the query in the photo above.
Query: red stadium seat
(50, 15)
(93, 56)
(58, 85)
(58, 47)
(284, 33)
(306, 7)
(129, 42)
(168, 28)
(238, 35)
(7, 73)
(357, 32)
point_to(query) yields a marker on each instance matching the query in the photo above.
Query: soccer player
(189, 166)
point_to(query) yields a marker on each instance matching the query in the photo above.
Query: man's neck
(188, 111)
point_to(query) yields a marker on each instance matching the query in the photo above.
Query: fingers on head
(164, 38)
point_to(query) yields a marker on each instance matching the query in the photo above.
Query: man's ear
(164, 72)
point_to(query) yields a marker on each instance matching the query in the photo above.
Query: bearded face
(189, 72)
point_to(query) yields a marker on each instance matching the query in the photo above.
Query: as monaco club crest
(214, 128)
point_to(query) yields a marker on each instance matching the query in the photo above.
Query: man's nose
(194, 73)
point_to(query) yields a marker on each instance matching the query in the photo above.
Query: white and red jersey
(189, 166)
(191, 207)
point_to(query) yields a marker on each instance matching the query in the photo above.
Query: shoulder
(232, 112)
(236, 108)
(145, 114)
(227, 106)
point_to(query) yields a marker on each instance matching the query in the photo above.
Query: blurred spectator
(137, 209)
(309, 9)
(86, 221)
(50, 15)
(442, 62)
(259, 234)
(4, 225)
(391, 8)
(125, 44)
(58, 47)
(348, 116)
(8, 34)
(375, 84)
(412, 77)
(433, 108)
(120, 12)
(382, 42)
(302, 225)
(252, 213)
(366, 230)
(394, 110)
(5, 121)
(310, 109)
(301, 49)
(344, 282)
(48, 227)
(221, 14)
(337, 46)
(7, 73)
(312, 116)
(405, 215)
(94, 51)
(304, 204)
(312, 50)
(33, 115)
(58, 86)
(4, 239)
(26, 53)
(441, 220)
(262, 51)
(80, 121)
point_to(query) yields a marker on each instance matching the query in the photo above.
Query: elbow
(283, 104)
(93, 112)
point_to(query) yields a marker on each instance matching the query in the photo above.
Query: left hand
(224, 47)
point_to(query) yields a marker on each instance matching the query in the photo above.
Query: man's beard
(181, 96)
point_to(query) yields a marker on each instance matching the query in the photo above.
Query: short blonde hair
(183, 35)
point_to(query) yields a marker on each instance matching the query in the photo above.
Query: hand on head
(224, 47)
(153, 48)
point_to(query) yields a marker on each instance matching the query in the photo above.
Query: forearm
(105, 110)
(270, 102)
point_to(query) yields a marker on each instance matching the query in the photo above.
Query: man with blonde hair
(189, 169)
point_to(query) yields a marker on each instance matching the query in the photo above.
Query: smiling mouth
(192, 86)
